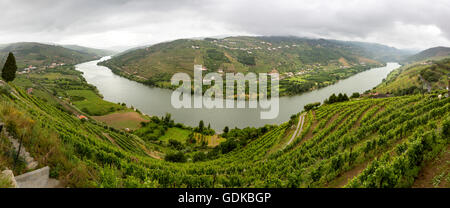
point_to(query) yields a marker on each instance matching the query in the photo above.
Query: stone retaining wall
(34, 179)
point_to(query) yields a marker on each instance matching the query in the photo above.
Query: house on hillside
(377, 95)
(81, 117)
(274, 71)
(29, 91)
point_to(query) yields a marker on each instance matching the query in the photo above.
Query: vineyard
(358, 143)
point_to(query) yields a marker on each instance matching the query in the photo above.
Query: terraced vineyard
(359, 143)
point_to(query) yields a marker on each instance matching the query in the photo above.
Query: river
(156, 101)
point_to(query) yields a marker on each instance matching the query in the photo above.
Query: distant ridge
(99, 52)
(39, 54)
(430, 53)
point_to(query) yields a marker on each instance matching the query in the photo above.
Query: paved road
(301, 119)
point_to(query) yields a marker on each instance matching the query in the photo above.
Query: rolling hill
(431, 53)
(290, 56)
(38, 54)
(418, 77)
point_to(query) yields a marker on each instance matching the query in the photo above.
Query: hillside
(380, 52)
(419, 77)
(359, 143)
(82, 49)
(304, 64)
(431, 53)
(39, 55)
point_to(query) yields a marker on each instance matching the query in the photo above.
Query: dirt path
(301, 120)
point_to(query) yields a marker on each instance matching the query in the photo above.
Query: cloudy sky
(117, 23)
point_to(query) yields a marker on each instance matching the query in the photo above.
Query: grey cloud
(56, 20)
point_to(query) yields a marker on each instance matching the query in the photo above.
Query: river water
(156, 101)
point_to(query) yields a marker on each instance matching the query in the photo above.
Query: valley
(156, 101)
(380, 128)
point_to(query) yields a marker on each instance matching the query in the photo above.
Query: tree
(333, 98)
(10, 68)
(355, 95)
(201, 126)
(199, 156)
(176, 157)
(167, 118)
(226, 129)
(311, 106)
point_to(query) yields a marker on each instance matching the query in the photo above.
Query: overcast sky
(111, 23)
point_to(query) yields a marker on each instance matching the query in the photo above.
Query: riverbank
(290, 84)
(66, 89)
(157, 102)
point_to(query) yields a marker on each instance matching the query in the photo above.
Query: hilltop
(431, 53)
(303, 63)
(38, 54)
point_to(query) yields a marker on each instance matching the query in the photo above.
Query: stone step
(10, 176)
(34, 179)
(32, 165)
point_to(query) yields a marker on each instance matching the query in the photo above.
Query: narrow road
(301, 119)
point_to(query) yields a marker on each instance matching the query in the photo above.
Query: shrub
(199, 156)
(311, 106)
(176, 157)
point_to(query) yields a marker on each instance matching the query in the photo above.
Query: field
(178, 134)
(122, 120)
(92, 104)
(211, 140)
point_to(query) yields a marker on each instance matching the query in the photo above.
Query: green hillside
(359, 143)
(418, 77)
(303, 64)
(39, 55)
(431, 53)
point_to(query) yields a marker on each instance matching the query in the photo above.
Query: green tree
(201, 126)
(10, 68)
(226, 129)
(355, 95)
(199, 156)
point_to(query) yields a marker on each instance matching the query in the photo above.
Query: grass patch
(93, 104)
(175, 133)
